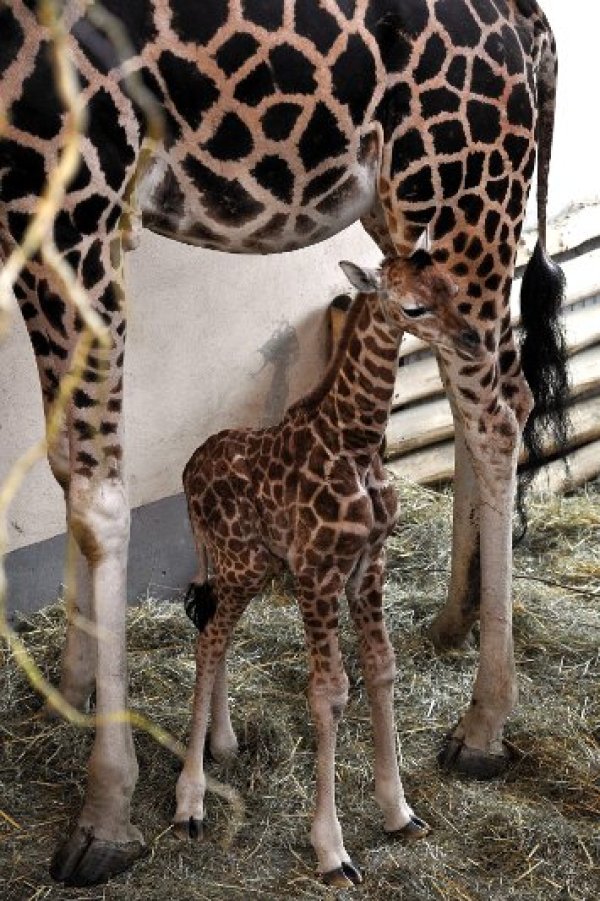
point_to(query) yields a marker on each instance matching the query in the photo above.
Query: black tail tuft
(201, 604)
(544, 360)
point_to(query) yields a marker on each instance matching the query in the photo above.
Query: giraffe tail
(201, 599)
(543, 344)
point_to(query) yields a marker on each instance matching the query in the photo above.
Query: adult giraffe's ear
(366, 280)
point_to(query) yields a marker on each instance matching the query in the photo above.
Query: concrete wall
(217, 340)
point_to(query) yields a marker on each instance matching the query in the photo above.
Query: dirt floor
(532, 835)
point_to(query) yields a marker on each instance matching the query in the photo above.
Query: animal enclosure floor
(531, 835)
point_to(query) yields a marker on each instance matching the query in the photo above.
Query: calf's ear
(366, 280)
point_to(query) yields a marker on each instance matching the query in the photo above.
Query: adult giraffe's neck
(360, 384)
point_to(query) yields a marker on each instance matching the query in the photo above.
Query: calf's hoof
(84, 860)
(343, 877)
(189, 830)
(415, 829)
(456, 756)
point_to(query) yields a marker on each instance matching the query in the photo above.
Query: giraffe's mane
(322, 389)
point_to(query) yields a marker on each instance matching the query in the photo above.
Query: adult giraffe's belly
(197, 202)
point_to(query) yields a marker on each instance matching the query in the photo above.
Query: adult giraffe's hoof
(415, 829)
(191, 829)
(343, 877)
(84, 860)
(448, 636)
(458, 757)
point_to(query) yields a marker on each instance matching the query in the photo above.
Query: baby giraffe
(311, 493)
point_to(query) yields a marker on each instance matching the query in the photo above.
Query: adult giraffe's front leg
(103, 842)
(492, 432)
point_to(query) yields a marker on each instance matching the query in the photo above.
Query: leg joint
(98, 517)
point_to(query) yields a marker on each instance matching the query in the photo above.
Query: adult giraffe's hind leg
(451, 627)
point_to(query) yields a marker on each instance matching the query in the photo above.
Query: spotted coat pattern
(311, 494)
(271, 110)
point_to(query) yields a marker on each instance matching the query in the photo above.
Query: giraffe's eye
(415, 312)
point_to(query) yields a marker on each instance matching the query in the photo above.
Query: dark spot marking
(445, 222)
(486, 266)
(52, 307)
(457, 72)
(472, 207)
(488, 311)
(82, 399)
(394, 108)
(484, 121)
(225, 199)
(255, 86)
(516, 200)
(266, 13)
(458, 21)
(339, 197)
(92, 270)
(519, 108)
(460, 242)
(418, 186)
(497, 190)
(40, 345)
(484, 80)
(475, 249)
(38, 111)
(407, 149)
(448, 137)
(451, 175)
(292, 71)
(197, 23)
(12, 38)
(87, 213)
(312, 21)
(235, 52)
(432, 59)
(322, 138)
(274, 174)
(191, 92)
(439, 100)
(232, 140)
(279, 120)
(22, 171)
(394, 47)
(353, 78)
(317, 186)
(114, 150)
(492, 221)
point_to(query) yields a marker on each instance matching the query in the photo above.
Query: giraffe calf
(311, 493)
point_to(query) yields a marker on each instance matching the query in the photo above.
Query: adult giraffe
(273, 108)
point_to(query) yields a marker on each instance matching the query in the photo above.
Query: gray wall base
(161, 560)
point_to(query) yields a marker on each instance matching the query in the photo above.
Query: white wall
(200, 320)
(214, 341)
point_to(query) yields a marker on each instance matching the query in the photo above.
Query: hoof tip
(189, 830)
(343, 877)
(415, 829)
(472, 762)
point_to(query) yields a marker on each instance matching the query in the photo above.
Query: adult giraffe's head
(419, 297)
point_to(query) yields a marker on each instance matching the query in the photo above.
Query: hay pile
(532, 835)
